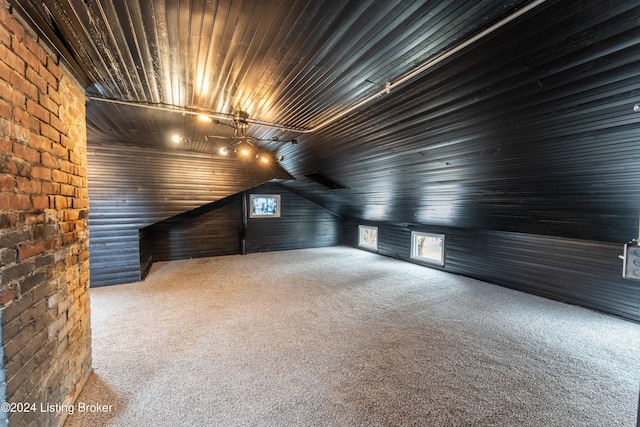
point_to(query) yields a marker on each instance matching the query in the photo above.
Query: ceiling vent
(325, 180)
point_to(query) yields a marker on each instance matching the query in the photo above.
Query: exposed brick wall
(44, 271)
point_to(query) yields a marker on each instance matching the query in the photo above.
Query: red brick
(66, 166)
(68, 238)
(26, 119)
(5, 72)
(55, 95)
(57, 124)
(80, 171)
(7, 183)
(5, 109)
(11, 24)
(11, 59)
(14, 202)
(59, 151)
(54, 243)
(71, 215)
(54, 68)
(12, 96)
(8, 221)
(36, 217)
(26, 153)
(6, 146)
(49, 161)
(50, 188)
(14, 166)
(5, 36)
(20, 49)
(80, 203)
(49, 104)
(35, 79)
(23, 85)
(40, 172)
(82, 193)
(40, 202)
(26, 185)
(48, 76)
(31, 249)
(58, 202)
(59, 176)
(36, 49)
(38, 110)
(41, 143)
(51, 133)
(7, 294)
(67, 190)
(77, 181)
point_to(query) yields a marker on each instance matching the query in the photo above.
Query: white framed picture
(264, 205)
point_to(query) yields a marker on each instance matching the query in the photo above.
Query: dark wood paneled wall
(133, 187)
(211, 230)
(302, 224)
(532, 130)
(579, 272)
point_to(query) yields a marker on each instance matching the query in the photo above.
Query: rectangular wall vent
(325, 180)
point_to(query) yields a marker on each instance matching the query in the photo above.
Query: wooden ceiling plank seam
(231, 45)
(143, 54)
(289, 83)
(220, 25)
(314, 68)
(203, 60)
(119, 44)
(247, 35)
(109, 53)
(448, 10)
(74, 39)
(254, 60)
(267, 89)
(320, 108)
(172, 20)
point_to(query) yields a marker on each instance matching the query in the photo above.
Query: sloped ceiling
(530, 128)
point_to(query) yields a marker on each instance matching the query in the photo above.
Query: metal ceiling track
(385, 91)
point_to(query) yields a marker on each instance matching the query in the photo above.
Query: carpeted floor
(343, 337)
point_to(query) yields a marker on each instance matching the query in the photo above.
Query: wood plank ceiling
(530, 129)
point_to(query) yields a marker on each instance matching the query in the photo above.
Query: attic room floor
(338, 336)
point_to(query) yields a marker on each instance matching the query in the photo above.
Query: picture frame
(264, 206)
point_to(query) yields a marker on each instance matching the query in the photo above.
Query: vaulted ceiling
(511, 115)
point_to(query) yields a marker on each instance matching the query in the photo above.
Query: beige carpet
(343, 337)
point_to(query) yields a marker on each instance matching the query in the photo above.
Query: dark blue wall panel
(211, 230)
(302, 224)
(579, 272)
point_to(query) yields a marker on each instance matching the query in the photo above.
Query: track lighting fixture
(239, 144)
